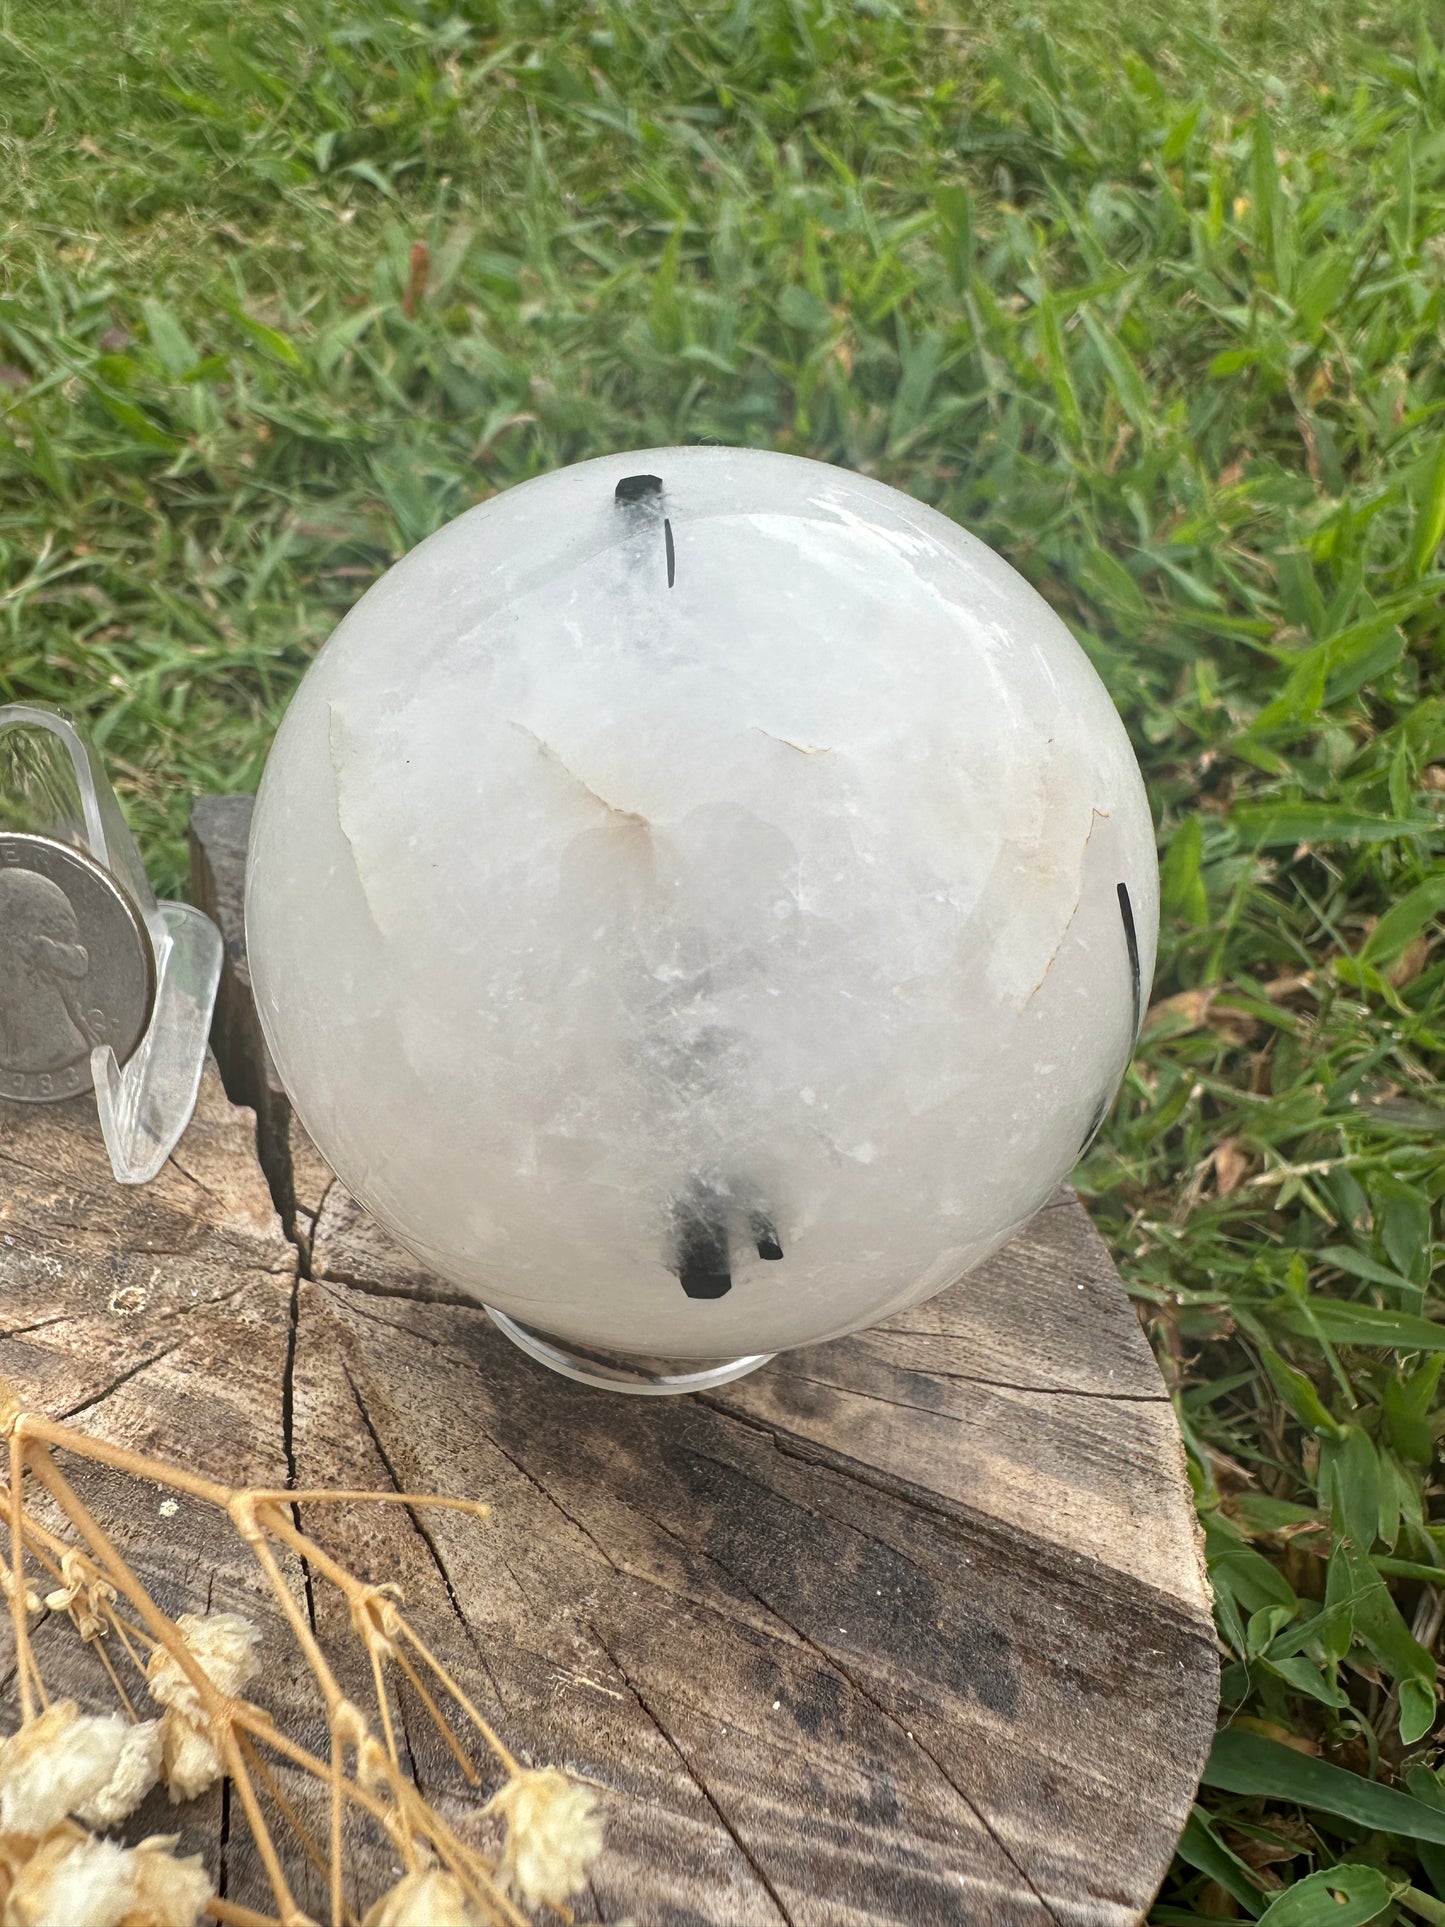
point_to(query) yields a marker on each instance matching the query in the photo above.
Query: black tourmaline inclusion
(702, 1259)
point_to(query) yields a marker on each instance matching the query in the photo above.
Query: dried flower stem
(291, 1914)
(356, 1594)
(293, 1819)
(438, 1718)
(461, 1699)
(216, 1704)
(338, 1781)
(25, 1670)
(124, 1697)
(30, 1426)
(248, 1524)
(233, 1916)
(361, 1771)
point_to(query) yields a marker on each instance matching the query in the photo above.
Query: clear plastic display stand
(101, 985)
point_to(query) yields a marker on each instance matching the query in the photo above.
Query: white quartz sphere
(748, 860)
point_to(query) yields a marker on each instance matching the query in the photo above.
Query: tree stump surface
(907, 1627)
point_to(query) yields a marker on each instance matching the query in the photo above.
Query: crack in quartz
(333, 721)
(803, 749)
(630, 819)
(1095, 815)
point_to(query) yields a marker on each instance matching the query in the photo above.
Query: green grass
(1149, 298)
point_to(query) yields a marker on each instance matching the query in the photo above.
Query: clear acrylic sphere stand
(52, 785)
(622, 1372)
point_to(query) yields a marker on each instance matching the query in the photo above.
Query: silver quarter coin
(76, 968)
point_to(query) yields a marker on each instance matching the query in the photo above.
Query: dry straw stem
(551, 1830)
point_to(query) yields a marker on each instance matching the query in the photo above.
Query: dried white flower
(553, 1835)
(430, 1898)
(190, 1758)
(81, 1882)
(168, 1892)
(225, 1646)
(136, 1770)
(97, 1767)
(17, 1850)
(67, 1878)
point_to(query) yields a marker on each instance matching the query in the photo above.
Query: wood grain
(910, 1627)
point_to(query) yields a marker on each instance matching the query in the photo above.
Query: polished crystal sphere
(701, 901)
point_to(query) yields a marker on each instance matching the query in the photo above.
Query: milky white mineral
(701, 901)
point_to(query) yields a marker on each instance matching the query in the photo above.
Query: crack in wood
(707, 1606)
(979, 1813)
(459, 1300)
(836, 1519)
(422, 1531)
(223, 1843)
(172, 1312)
(315, 1213)
(559, 1507)
(40, 1325)
(200, 1183)
(288, 1428)
(831, 1661)
(148, 1248)
(630, 1572)
(457, 1352)
(552, 1500)
(970, 1378)
(45, 1172)
(728, 1828)
(412, 1762)
(954, 1513)
(133, 1371)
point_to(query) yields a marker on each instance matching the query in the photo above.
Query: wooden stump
(909, 1627)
